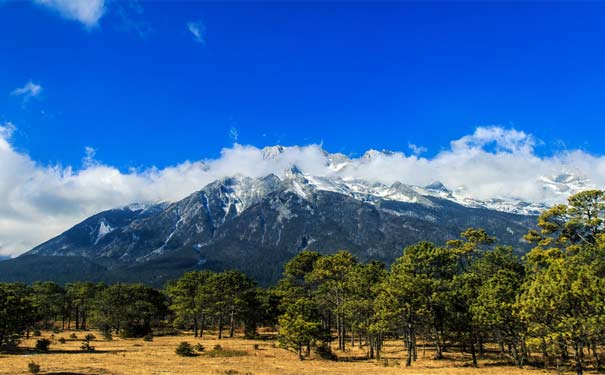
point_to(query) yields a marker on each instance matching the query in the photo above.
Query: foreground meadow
(251, 357)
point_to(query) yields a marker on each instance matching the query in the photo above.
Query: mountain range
(257, 224)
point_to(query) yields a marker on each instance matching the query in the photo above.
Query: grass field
(136, 356)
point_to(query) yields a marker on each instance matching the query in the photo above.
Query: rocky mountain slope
(257, 224)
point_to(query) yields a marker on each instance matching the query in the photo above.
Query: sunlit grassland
(263, 357)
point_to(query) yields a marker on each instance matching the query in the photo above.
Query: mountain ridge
(257, 224)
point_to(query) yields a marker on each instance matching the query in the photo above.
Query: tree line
(467, 295)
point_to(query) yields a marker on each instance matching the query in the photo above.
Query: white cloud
(88, 12)
(39, 201)
(198, 30)
(233, 134)
(417, 150)
(28, 91)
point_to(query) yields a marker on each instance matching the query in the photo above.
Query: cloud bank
(40, 201)
(88, 12)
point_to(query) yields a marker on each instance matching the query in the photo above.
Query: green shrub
(90, 337)
(185, 350)
(324, 352)
(73, 336)
(11, 343)
(56, 330)
(33, 367)
(148, 337)
(256, 346)
(36, 333)
(62, 340)
(217, 348)
(199, 347)
(133, 331)
(87, 347)
(43, 345)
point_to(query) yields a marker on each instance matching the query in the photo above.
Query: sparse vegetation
(226, 353)
(185, 350)
(134, 356)
(90, 337)
(33, 368)
(43, 345)
(87, 347)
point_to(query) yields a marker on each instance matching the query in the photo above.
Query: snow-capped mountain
(558, 187)
(257, 224)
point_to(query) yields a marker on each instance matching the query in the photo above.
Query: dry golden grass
(135, 356)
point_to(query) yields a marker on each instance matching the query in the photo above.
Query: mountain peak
(271, 152)
(372, 154)
(437, 186)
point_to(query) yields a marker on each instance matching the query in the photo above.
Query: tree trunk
(577, 348)
(408, 361)
(195, 326)
(232, 323)
(481, 349)
(338, 323)
(220, 327)
(438, 347)
(595, 354)
(473, 354)
(343, 333)
(544, 347)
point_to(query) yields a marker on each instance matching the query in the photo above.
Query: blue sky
(141, 90)
(104, 103)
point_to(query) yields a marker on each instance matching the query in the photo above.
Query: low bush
(62, 340)
(33, 367)
(73, 336)
(184, 349)
(87, 347)
(42, 345)
(36, 333)
(148, 337)
(90, 337)
(199, 347)
(324, 352)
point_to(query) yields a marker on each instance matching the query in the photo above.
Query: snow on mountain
(103, 230)
(562, 185)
